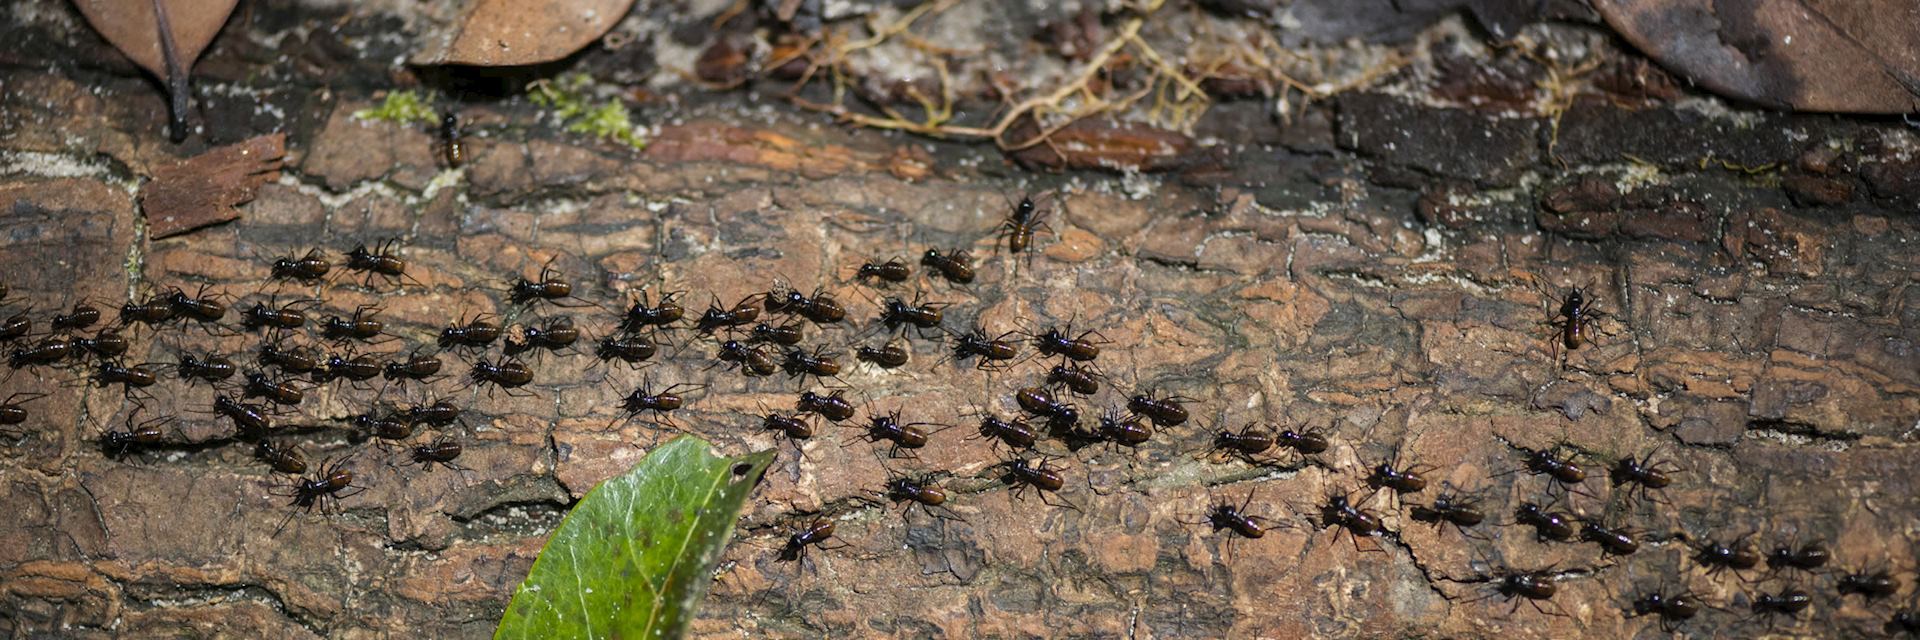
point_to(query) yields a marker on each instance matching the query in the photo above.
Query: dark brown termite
(334, 483)
(1163, 411)
(1573, 323)
(893, 270)
(266, 315)
(129, 377)
(452, 148)
(15, 327)
(1737, 555)
(956, 266)
(886, 356)
(1871, 585)
(1564, 473)
(283, 460)
(439, 414)
(1805, 557)
(288, 361)
(1123, 430)
(785, 335)
(107, 344)
(1531, 587)
(793, 427)
(14, 411)
(506, 374)
(1643, 475)
(474, 333)
(1016, 434)
(137, 436)
(994, 353)
(82, 316)
(441, 451)
(1076, 379)
(1547, 525)
(556, 334)
(1082, 348)
(200, 307)
(1021, 225)
(1451, 508)
(249, 420)
(152, 312)
(903, 436)
(752, 360)
(1024, 475)
(1789, 602)
(549, 288)
(716, 317)
(392, 427)
(818, 363)
(48, 351)
(381, 261)
(1061, 417)
(813, 535)
(819, 308)
(660, 315)
(1227, 516)
(627, 348)
(833, 407)
(275, 391)
(898, 314)
(360, 326)
(1672, 609)
(351, 367)
(662, 403)
(414, 367)
(1613, 541)
(1401, 479)
(310, 268)
(921, 491)
(1340, 512)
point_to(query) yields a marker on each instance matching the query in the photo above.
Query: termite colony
(762, 338)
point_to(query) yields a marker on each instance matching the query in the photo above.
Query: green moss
(400, 106)
(573, 109)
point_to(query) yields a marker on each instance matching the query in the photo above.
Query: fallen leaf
(133, 27)
(1849, 56)
(204, 189)
(504, 33)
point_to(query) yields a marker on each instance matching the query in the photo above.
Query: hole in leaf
(740, 470)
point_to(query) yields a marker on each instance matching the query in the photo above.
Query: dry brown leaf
(1853, 56)
(132, 26)
(504, 33)
(203, 190)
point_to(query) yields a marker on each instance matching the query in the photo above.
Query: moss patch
(400, 106)
(573, 109)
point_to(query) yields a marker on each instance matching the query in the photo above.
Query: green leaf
(633, 559)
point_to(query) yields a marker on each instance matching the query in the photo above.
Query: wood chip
(203, 190)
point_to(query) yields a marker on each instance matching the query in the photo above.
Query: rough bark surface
(1380, 269)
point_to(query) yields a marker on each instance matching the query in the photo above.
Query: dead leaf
(504, 33)
(133, 27)
(203, 190)
(1850, 56)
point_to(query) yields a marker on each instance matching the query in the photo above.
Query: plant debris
(575, 111)
(400, 106)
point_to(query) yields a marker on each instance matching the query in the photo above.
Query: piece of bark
(504, 33)
(204, 189)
